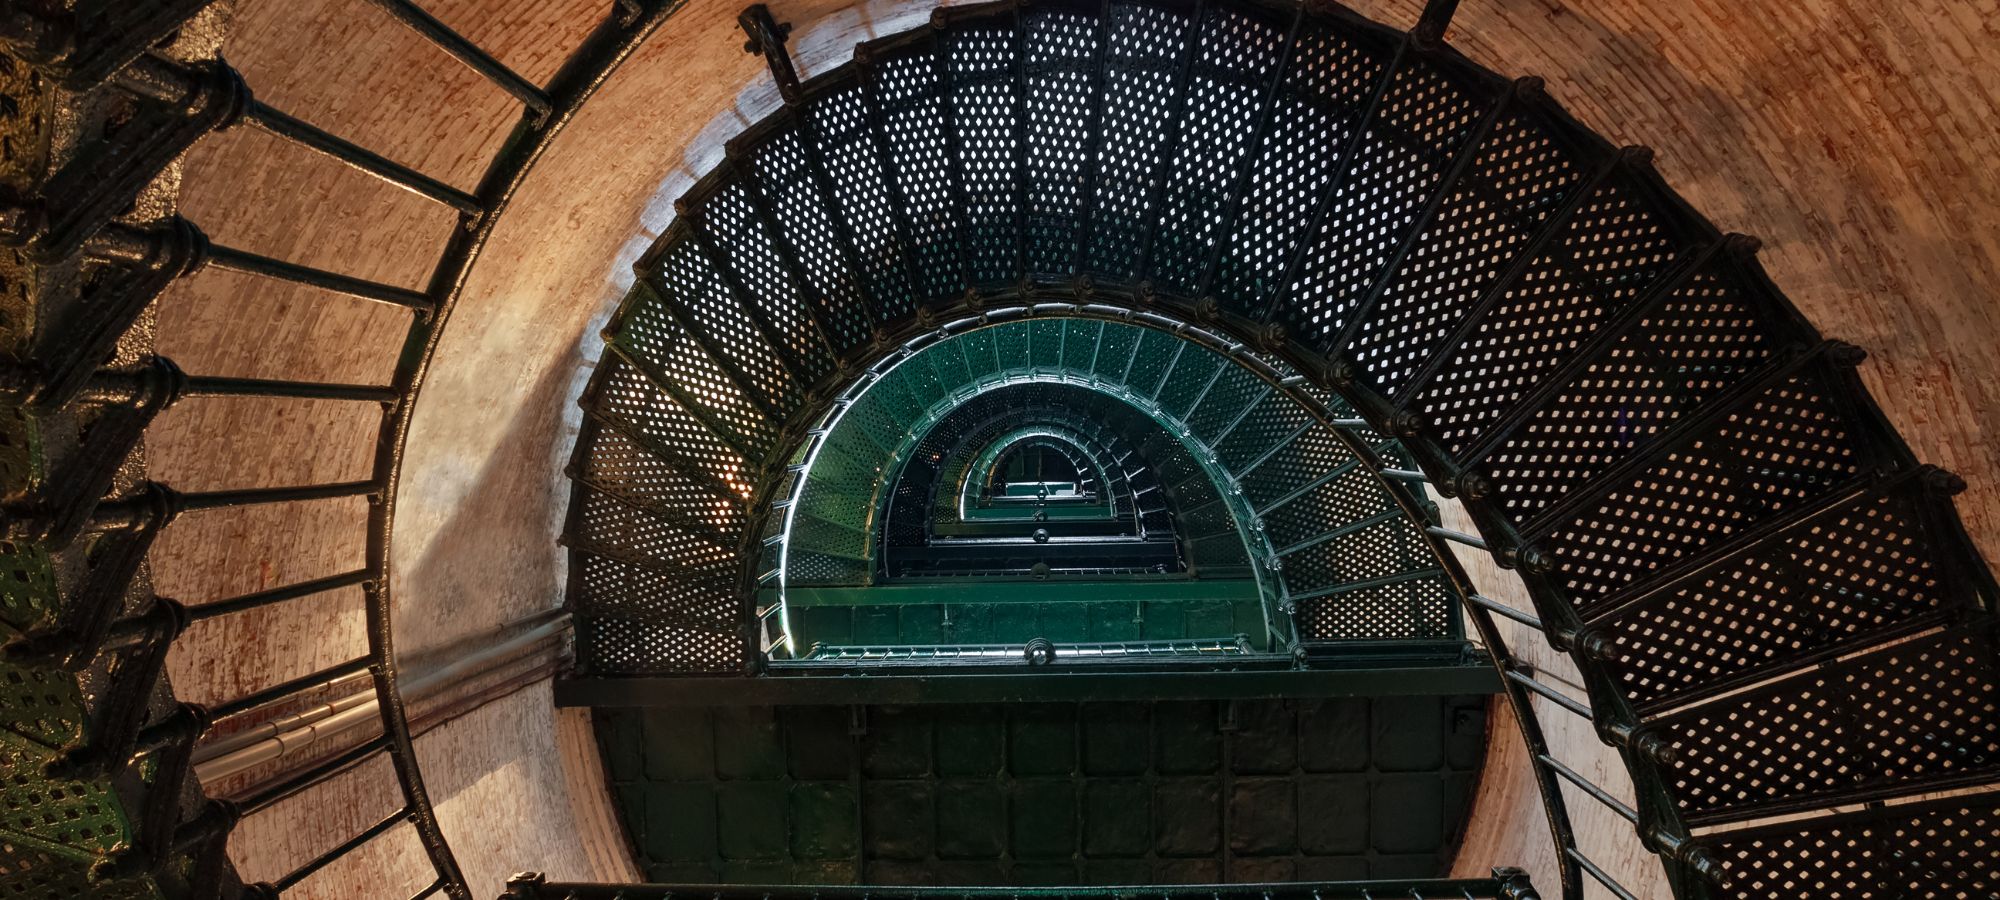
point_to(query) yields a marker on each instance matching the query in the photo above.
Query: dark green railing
(1506, 884)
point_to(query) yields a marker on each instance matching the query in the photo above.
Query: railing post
(80, 52)
(1434, 20)
(1513, 883)
(525, 886)
(81, 197)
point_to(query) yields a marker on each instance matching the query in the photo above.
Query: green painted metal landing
(1046, 793)
(1506, 884)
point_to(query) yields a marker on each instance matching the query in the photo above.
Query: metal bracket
(768, 36)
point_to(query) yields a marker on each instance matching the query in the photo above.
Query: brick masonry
(1855, 137)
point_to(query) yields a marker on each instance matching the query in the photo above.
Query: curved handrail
(1254, 543)
(1638, 247)
(1141, 305)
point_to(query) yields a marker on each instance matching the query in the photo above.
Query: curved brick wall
(1855, 139)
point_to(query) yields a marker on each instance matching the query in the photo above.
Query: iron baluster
(1569, 704)
(168, 81)
(260, 599)
(1587, 787)
(1576, 857)
(289, 687)
(306, 869)
(540, 104)
(359, 158)
(220, 386)
(1494, 606)
(252, 264)
(291, 784)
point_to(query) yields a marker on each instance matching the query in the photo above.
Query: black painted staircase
(1751, 572)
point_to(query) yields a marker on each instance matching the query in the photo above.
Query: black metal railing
(1631, 415)
(1825, 504)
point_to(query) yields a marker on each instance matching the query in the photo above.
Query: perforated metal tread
(1702, 493)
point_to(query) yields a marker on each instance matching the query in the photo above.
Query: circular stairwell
(1742, 558)
(1751, 572)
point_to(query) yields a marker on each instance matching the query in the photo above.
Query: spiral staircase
(1361, 280)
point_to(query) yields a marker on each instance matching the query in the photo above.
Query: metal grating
(1707, 508)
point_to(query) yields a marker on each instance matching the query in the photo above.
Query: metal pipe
(256, 496)
(1457, 537)
(252, 264)
(324, 676)
(275, 595)
(215, 386)
(276, 729)
(1495, 606)
(451, 42)
(1596, 793)
(352, 712)
(320, 862)
(314, 138)
(1549, 693)
(295, 782)
(1602, 877)
(285, 737)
